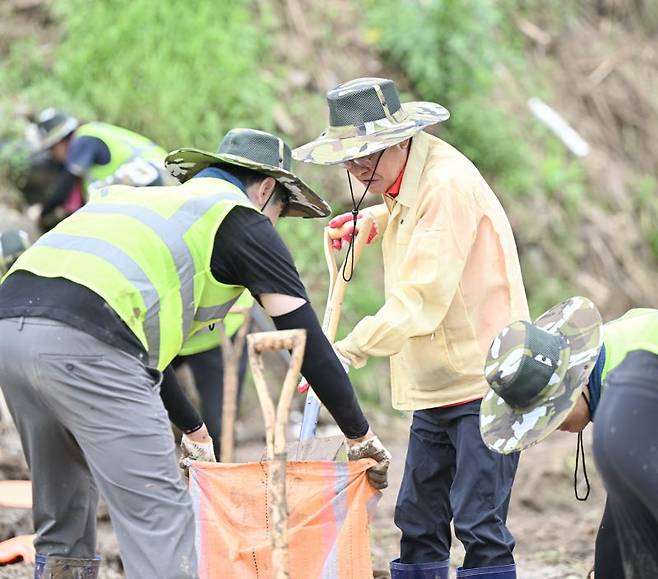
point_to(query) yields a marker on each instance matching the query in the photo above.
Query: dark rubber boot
(497, 572)
(434, 570)
(54, 567)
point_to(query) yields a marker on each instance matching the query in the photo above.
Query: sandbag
(328, 504)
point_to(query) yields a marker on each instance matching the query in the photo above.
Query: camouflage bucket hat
(537, 372)
(366, 116)
(259, 151)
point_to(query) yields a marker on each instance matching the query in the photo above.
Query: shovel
(275, 430)
(309, 447)
(231, 354)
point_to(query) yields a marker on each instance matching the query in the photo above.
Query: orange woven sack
(328, 506)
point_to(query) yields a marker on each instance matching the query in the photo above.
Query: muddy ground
(554, 532)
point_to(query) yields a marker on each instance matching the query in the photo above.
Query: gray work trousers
(91, 419)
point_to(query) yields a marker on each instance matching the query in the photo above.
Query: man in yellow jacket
(452, 280)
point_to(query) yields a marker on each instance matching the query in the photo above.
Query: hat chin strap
(580, 450)
(355, 216)
(268, 200)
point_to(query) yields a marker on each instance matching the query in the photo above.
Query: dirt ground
(554, 532)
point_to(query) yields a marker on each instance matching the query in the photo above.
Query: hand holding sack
(341, 230)
(372, 447)
(196, 447)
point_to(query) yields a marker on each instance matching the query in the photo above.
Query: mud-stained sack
(328, 506)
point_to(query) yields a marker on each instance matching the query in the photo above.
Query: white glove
(193, 450)
(373, 448)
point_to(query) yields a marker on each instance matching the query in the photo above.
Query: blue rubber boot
(55, 567)
(497, 572)
(434, 570)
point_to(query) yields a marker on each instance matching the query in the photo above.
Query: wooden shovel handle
(232, 349)
(338, 283)
(275, 422)
(275, 431)
(330, 257)
(337, 288)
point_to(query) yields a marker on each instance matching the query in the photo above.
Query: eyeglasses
(367, 162)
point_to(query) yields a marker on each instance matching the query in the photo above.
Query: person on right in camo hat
(563, 371)
(452, 280)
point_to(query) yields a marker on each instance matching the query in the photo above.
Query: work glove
(373, 448)
(303, 385)
(341, 230)
(195, 450)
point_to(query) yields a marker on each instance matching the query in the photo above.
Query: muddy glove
(371, 447)
(341, 230)
(195, 446)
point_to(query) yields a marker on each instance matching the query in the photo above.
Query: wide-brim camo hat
(366, 116)
(259, 151)
(537, 373)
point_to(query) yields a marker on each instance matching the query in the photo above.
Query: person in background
(452, 280)
(93, 154)
(566, 370)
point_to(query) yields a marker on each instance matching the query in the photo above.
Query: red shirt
(394, 190)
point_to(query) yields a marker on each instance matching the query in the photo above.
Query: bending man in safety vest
(94, 312)
(565, 370)
(452, 279)
(94, 154)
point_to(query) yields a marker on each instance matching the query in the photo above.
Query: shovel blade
(325, 448)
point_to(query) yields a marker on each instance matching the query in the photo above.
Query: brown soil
(554, 532)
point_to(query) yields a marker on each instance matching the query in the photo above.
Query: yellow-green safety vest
(637, 329)
(124, 146)
(207, 338)
(147, 254)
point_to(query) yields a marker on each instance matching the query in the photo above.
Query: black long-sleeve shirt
(247, 252)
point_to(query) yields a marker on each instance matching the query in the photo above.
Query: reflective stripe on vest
(125, 264)
(172, 237)
(171, 232)
(206, 339)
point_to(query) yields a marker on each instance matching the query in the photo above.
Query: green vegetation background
(183, 73)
